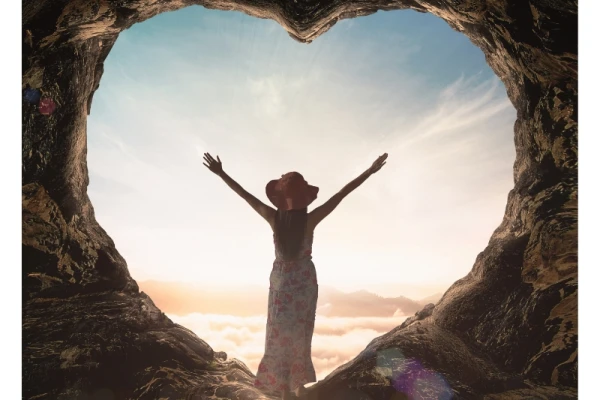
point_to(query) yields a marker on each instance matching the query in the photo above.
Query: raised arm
(268, 213)
(319, 213)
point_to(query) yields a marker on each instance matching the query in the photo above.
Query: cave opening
(195, 80)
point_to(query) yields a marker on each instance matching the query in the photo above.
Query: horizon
(180, 298)
(387, 290)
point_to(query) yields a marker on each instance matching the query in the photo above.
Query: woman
(293, 291)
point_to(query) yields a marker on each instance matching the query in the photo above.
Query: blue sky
(401, 82)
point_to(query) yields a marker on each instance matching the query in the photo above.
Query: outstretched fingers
(212, 164)
(380, 162)
(209, 159)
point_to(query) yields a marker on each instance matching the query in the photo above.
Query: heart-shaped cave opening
(508, 326)
(195, 80)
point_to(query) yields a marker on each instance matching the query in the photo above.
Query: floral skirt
(293, 294)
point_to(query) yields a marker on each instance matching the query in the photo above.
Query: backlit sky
(199, 80)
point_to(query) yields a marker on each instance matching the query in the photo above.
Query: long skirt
(293, 295)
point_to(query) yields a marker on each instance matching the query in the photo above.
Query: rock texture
(507, 330)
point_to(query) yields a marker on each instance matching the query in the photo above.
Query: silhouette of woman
(293, 291)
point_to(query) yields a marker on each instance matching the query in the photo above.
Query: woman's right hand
(214, 165)
(380, 162)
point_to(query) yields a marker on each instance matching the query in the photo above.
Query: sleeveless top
(304, 253)
(296, 274)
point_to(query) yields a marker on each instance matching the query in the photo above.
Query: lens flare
(32, 95)
(410, 378)
(47, 106)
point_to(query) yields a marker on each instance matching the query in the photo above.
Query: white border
(588, 195)
(10, 200)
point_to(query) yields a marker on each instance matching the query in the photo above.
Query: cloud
(274, 93)
(110, 185)
(184, 298)
(268, 93)
(460, 109)
(346, 23)
(335, 340)
(121, 163)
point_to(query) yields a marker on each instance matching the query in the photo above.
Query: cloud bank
(336, 340)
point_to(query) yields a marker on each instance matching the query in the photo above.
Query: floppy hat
(291, 192)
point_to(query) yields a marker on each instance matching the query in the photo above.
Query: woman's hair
(290, 227)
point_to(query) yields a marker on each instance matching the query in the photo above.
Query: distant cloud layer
(233, 319)
(336, 340)
(182, 298)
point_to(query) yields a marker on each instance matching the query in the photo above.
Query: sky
(196, 80)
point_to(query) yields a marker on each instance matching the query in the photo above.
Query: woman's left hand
(214, 165)
(380, 162)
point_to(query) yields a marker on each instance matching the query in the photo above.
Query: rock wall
(506, 330)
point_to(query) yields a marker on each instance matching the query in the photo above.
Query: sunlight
(196, 80)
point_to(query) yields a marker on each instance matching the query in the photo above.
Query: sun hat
(291, 192)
